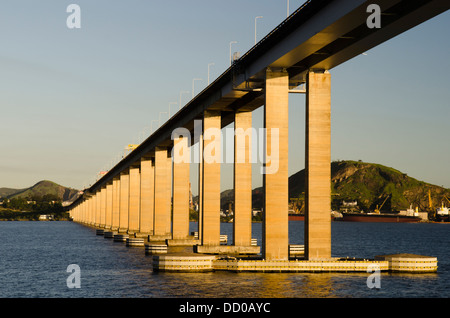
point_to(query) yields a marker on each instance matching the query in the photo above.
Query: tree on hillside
(19, 203)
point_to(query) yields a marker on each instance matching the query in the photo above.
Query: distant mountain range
(367, 183)
(40, 189)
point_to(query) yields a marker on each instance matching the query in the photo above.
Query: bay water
(34, 260)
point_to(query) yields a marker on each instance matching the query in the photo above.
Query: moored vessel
(380, 217)
(442, 214)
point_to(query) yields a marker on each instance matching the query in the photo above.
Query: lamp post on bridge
(169, 107)
(260, 17)
(181, 93)
(193, 82)
(159, 118)
(231, 59)
(151, 127)
(210, 64)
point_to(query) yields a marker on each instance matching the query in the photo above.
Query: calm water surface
(34, 257)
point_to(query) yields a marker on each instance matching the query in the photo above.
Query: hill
(371, 184)
(39, 190)
(367, 183)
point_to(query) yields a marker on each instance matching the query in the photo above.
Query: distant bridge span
(317, 37)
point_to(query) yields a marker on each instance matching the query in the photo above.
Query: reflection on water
(35, 255)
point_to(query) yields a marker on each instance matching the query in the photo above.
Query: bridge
(147, 193)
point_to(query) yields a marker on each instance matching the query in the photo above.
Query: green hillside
(371, 184)
(367, 183)
(40, 189)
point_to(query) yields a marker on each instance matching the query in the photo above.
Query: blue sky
(71, 100)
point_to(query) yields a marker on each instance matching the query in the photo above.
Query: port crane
(430, 202)
(377, 210)
(445, 197)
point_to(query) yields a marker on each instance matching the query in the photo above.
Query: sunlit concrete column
(91, 218)
(242, 179)
(86, 211)
(200, 185)
(147, 196)
(80, 211)
(181, 160)
(115, 204)
(161, 225)
(109, 197)
(83, 215)
(73, 212)
(134, 201)
(275, 179)
(211, 178)
(318, 166)
(170, 188)
(83, 212)
(88, 215)
(98, 209)
(102, 207)
(124, 198)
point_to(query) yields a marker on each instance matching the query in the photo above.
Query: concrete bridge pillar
(102, 207)
(124, 198)
(93, 210)
(90, 211)
(275, 178)
(109, 197)
(88, 215)
(211, 161)
(147, 196)
(98, 202)
(242, 224)
(79, 216)
(115, 204)
(181, 166)
(318, 166)
(134, 200)
(200, 186)
(162, 200)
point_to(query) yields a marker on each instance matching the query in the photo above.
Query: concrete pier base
(142, 235)
(121, 237)
(109, 234)
(152, 249)
(133, 241)
(401, 263)
(410, 263)
(181, 242)
(159, 238)
(174, 263)
(227, 249)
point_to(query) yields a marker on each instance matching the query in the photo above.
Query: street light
(159, 119)
(169, 107)
(208, 70)
(151, 127)
(181, 93)
(288, 8)
(231, 60)
(255, 26)
(193, 81)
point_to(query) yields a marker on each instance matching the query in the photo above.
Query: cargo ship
(379, 217)
(296, 217)
(442, 214)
